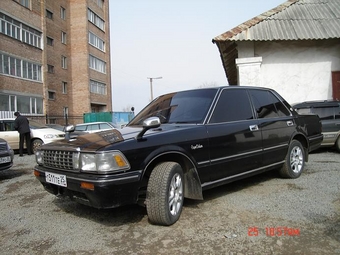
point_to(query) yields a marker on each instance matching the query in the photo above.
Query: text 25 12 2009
(274, 231)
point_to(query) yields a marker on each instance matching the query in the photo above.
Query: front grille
(3, 147)
(58, 159)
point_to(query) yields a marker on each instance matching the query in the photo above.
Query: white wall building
(294, 49)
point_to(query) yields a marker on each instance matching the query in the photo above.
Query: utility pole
(151, 85)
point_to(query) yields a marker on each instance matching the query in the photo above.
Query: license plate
(5, 159)
(57, 179)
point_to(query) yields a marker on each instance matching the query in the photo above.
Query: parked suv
(179, 145)
(40, 134)
(329, 114)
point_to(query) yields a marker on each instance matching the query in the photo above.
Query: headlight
(39, 157)
(8, 147)
(103, 162)
(50, 136)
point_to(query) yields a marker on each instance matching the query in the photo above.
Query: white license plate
(57, 179)
(5, 159)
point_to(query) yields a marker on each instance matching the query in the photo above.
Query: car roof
(90, 123)
(317, 103)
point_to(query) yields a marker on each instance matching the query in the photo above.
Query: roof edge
(255, 20)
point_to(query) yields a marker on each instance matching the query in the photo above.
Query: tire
(294, 162)
(36, 143)
(164, 197)
(337, 144)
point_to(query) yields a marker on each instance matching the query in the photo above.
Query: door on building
(336, 85)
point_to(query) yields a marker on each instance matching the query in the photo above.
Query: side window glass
(8, 126)
(303, 110)
(80, 128)
(93, 127)
(104, 126)
(264, 104)
(233, 105)
(337, 112)
(324, 113)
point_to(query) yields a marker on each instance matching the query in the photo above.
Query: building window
(50, 69)
(100, 3)
(63, 37)
(97, 87)
(49, 41)
(63, 62)
(62, 13)
(23, 104)
(25, 3)
(17, 67)
(51, 95)
(65, 111)
(64, 87)
(97, 64)
(96, 42)
(49, 14)
(95, 19)
(19, 31)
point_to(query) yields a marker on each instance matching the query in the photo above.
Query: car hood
(98, 140)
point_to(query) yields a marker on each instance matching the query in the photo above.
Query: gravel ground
(260, 215)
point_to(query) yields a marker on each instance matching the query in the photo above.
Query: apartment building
(54, 58)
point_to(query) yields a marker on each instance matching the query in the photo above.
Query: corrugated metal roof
(292, 20)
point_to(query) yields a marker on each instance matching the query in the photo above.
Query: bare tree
(128, 108)
(208, 84)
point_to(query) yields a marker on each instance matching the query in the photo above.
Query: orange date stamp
(274, 231)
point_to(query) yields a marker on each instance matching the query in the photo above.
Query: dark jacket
(21, 124)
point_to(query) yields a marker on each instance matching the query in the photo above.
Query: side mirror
(152, 122)
(68, 130)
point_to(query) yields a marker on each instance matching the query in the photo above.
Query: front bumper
(109, 191)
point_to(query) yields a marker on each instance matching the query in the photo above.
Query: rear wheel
(164, 197)
(337, 144)
(294, 162)
(36, 143)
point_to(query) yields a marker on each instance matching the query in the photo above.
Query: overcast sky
(171, 39)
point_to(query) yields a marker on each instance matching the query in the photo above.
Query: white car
(40, 134)
(92, 127)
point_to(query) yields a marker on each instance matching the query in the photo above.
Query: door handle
(290, 123)
(253, 127)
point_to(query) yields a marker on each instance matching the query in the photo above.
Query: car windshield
(36, 125)
(181, 107)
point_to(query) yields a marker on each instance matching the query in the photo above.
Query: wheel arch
(304, 142)
(192, 183)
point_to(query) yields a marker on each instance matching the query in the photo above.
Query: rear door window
(233, 105)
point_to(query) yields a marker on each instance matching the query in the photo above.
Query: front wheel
(164, 197)
(36, 143)
(294, 162)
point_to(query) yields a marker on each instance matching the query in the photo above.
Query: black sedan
(6, 155)
(179, 145)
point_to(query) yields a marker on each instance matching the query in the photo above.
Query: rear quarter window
(268, 105)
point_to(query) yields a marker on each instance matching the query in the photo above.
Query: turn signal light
(36, 173)
(87, 185)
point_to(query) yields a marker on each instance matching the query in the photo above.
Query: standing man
(21, 124)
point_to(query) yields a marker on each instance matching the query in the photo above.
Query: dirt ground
(260, 215)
